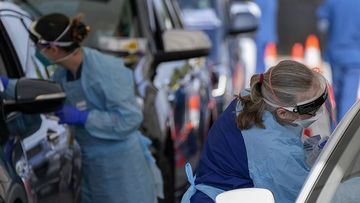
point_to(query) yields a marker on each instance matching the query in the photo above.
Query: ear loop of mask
(67, 56)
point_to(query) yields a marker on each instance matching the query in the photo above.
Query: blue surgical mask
(47, 62)
(43, 59)
(307, 122)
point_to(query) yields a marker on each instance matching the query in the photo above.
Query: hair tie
(261, 79)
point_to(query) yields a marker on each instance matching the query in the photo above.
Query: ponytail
(253, 105)
(280, 85)
(79, 29)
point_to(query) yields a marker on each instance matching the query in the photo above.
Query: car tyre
(16, 194)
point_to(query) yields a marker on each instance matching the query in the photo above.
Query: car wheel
(16, 194)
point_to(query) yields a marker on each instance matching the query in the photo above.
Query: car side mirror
(183, 44)
(243, 17)
(129, 49)
(34, 96)
(253, 195)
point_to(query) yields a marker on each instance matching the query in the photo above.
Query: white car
(335, 176)
(42, 152)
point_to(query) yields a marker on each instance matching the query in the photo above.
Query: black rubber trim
(162, 56)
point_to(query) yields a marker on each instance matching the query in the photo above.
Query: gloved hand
(71, 115)
(313, 146)
(322, 142)
(4, 81)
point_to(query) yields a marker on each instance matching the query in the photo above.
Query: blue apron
(223, 164)
(235, 158)
(210, 191)
(106, 175)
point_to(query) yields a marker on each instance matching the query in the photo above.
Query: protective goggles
(306, 107)
(37, 39)
(309, 108)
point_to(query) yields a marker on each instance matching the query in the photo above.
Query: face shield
(311, 106)
(42, 43)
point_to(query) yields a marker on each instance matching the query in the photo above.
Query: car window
(349, 186)
(163, 15)
(118, 17)
(24, 125)
(175, 13)
(19, 124)
(338, 179)
(198, 4)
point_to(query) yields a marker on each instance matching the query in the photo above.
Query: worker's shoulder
(263, 135)
(104, 63)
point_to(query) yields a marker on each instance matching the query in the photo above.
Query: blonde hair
(280, 85)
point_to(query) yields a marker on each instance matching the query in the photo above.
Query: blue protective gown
(343, 49)
(267, 31)
(271, 158)
(116, 164)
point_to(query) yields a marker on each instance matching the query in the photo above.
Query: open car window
(117, 17)
(335, 177)
(20, 124)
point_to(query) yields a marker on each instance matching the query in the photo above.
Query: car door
(42, 152)
(11, 187)
(335, 177)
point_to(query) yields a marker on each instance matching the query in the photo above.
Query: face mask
(307, 122)
(43, 59)
(47, 62)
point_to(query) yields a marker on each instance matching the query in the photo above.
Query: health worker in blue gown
(103, 113)
(256, 142)
(338, 19)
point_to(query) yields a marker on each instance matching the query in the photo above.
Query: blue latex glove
(313, 146)
(322, 142)
(4, 81)
(71, 115)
